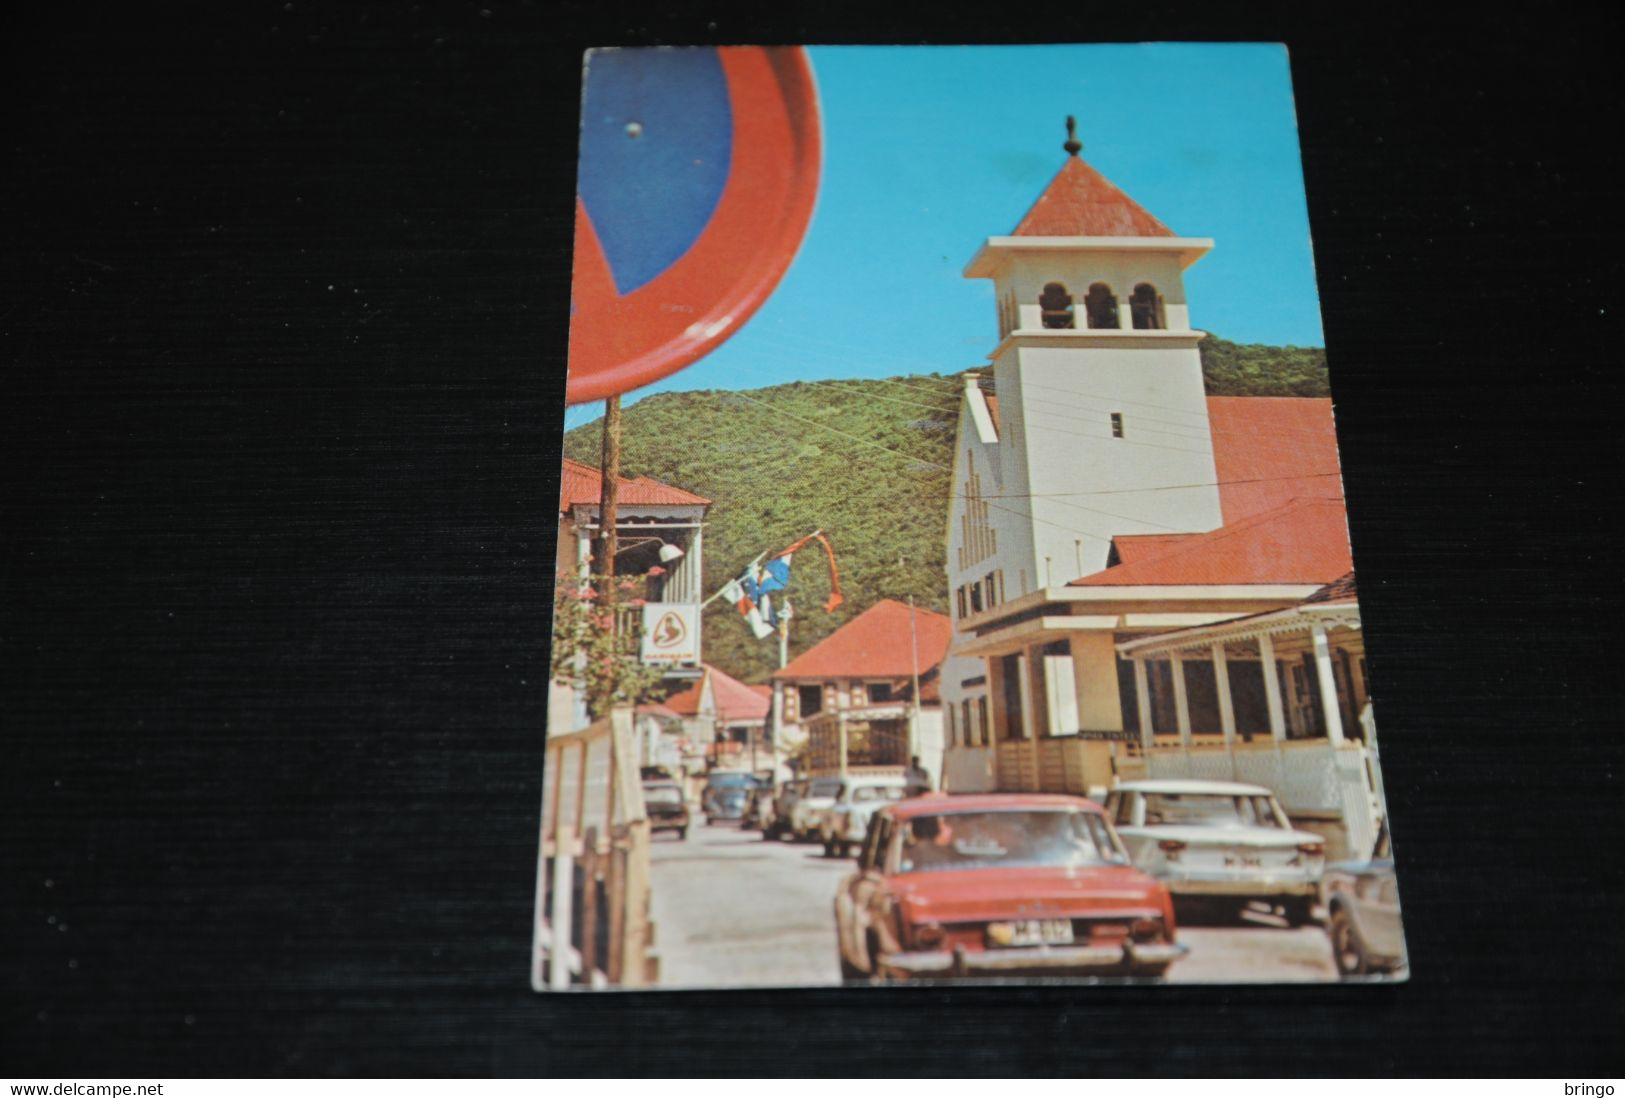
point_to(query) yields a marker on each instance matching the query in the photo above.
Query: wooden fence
(592, 897)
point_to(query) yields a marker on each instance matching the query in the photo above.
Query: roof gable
(876, 643)
(734, 700)
(1080, 201)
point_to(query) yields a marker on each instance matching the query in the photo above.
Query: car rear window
(825, 789)
(662, 794)
(1040, 838)
(1209, 810)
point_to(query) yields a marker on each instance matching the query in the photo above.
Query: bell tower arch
(1097, 372)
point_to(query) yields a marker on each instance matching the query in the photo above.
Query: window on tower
(1145, 305)
(1101, 305)
(1117, 424)
(1056, 306)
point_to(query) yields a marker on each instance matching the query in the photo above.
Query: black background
(284, 319)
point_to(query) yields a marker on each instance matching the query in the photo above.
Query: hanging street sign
(671, 632)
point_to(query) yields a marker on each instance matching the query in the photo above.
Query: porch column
(1328, 686)
(1272, 688)
(1227, 710)
(840, 742)
(1142, 702)
(1029, 726)
(1182, 707)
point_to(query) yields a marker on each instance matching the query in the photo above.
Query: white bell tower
(1103, 421)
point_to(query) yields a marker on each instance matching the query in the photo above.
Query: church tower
(1099, 422)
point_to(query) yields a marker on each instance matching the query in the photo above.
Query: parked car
(1220, 840)
(667, 810)
(783, 807)
(725, 794)
(1000, 884)
(843, 824)
(1362, 913)
(804, 814)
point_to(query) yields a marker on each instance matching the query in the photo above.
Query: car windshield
(1058, 838)
(736, 781)
(825, 789)
(662, 794)
(877, 793)
(1209, 810)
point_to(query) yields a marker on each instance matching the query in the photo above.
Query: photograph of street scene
(953, 572)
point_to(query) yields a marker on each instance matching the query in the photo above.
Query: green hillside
(867, 461)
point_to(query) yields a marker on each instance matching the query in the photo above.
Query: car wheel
(849, 971)
(1150, 972)
(682, 833)
(829, 848)
(1347, 950)
(843, 850)
(1299, 911)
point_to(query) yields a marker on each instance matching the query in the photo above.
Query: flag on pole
(835, 597)
(752, 592)
(735, 592)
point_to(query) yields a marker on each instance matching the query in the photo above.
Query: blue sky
(930, 150)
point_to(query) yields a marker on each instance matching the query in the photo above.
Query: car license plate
(1243, 861)
(1030, 932)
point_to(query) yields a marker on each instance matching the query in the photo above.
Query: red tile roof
(875, 643)
(1271, 450)
(584, 485)
(1306, 541)
(686, 703)
(1080, 201)
(734, 700)
(1133, 548)
(1339, 590)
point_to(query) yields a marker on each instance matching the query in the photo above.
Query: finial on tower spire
(1073, 146)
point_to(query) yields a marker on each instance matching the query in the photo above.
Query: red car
(1003, 884)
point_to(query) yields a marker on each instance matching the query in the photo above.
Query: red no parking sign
(699, 169)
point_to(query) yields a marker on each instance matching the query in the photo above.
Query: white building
(1101, 497)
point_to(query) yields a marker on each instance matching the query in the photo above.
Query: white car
(805, 813)
(1220, 840)
(844, 824)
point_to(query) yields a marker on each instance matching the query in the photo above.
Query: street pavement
(732, 910)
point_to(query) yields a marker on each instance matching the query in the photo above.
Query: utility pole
(914, 670)
(914, 707)
(777, 732)
(609, 492)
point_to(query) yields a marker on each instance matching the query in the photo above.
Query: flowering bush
(588, 654)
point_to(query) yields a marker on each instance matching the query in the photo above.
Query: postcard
(953, 572)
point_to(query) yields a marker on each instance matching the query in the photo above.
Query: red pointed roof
(582, 484)
(734, 700)
(1305, 541)
(1269, 451)
(1080, 201)
(875, 644)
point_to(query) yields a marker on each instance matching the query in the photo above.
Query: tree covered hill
(868, 462)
